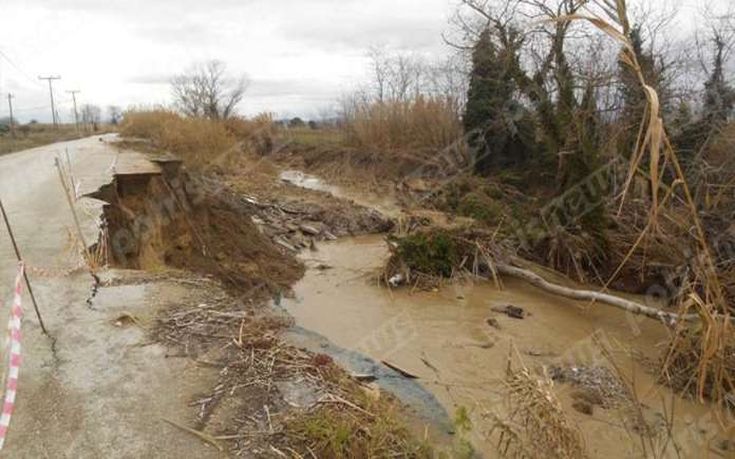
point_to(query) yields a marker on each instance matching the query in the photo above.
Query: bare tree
(206, 90)
(397, 77)
(379, 72)
(402, 77)
(714, 53)
(91, 116)
(114, 114)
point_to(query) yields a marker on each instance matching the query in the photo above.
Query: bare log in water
(588, 295)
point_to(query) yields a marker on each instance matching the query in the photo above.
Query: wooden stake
(70, 200)
(25, 274)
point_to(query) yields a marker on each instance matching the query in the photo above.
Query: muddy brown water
(444, 339)
(382, 203)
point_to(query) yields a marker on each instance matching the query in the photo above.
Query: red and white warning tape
(14, 358)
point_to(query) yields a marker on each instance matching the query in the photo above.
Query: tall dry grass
(193, 139)
(701, 355)
(198, 141)
(421, 123)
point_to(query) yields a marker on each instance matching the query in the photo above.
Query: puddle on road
(444, 338)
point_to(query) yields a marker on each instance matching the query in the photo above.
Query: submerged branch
(588, 295)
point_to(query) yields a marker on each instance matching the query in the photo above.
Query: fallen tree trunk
(588, 295)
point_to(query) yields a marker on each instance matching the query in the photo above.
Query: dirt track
(103, 390)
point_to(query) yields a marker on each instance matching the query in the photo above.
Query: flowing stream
(443, 338)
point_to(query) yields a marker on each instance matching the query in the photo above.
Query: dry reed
(195, 140)
(536, 425)
(421, 123)
(713, 373)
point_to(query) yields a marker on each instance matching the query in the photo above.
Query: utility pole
(10, 107)
(50, 80)
(76, 114)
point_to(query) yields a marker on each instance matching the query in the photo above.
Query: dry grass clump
(350, 421)
(196, 140)
(258, 134)
(536, 425)
(701, 359)
(423, 123)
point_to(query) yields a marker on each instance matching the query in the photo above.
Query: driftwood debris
(588, 295)
(399, 370)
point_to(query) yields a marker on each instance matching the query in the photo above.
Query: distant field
(31, 136)
(314, 137)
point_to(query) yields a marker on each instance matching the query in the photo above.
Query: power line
(16, 67)
(64, 103)
(28, 109)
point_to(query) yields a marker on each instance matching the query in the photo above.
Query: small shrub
(480, 207)
(434, 254)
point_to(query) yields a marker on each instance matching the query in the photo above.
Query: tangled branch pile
(271, 399)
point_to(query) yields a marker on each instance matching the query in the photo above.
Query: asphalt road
(101, 390)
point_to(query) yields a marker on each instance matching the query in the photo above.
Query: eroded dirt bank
(451, 342)
(236, 251)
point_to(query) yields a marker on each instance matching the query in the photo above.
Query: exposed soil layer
(175, 220)
(270, 399)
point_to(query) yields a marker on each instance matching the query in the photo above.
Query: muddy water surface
(443, 338)
(382, 203)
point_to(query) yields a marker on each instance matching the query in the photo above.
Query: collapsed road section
(235, 253)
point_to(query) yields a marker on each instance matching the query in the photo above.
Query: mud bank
(269, 395)
(172, 220)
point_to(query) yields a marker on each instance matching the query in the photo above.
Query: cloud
(150, 79)
(189, 33)
(280, 87)
(415, 26)
(300, 54)
(344, 37)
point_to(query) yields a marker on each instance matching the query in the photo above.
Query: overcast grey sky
(300, 54)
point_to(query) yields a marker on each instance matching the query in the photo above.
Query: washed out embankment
(155, 221)
(269, 394)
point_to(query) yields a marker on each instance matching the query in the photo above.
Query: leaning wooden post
(25, 274)
(70, 200)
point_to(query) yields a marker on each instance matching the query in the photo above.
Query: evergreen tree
(500, 130)
(584, 142)
(718, 105)
(719, 96)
